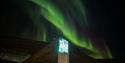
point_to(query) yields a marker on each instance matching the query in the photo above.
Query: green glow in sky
(55, 16)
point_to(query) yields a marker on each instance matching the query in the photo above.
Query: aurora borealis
(65, 19)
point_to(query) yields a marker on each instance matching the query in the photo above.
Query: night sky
(105, 18)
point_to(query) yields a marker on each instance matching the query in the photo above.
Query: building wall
(63, 58)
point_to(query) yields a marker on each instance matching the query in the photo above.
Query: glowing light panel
(63, 46)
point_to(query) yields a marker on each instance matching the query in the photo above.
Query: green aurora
(56, 17)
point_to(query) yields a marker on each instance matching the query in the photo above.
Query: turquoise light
(63, 46)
